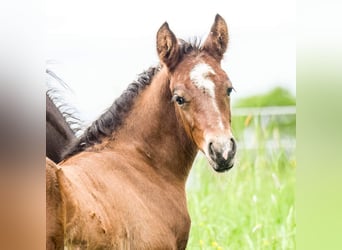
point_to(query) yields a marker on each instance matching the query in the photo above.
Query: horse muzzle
(221, 153)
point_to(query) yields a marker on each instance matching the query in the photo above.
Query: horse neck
(154, 131)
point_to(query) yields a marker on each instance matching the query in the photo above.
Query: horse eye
(180, 100)
(229, 90)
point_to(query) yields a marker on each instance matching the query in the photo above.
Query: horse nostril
(233, 146)
(211, 150)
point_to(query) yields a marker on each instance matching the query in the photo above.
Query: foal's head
(201, 91)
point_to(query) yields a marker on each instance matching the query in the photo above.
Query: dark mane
(113, 118)
(194, 45)
(110, 120)
(57, 90)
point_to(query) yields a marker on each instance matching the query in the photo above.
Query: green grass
(251, 206)
(275, 97)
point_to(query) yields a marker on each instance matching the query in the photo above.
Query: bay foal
(122, 185)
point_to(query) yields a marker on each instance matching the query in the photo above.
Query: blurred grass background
(319, 134)
(253, 205)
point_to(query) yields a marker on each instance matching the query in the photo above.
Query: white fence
(249, 141)
(265, 111)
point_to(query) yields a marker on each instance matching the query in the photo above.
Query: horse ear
(167, 46)
(217, 41)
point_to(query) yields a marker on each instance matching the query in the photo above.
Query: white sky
(98, 47)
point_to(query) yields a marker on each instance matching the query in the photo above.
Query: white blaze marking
(199, 75)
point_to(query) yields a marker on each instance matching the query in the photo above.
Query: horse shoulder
(88, 214)
(121, 206)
